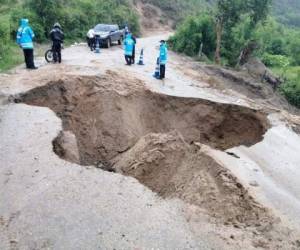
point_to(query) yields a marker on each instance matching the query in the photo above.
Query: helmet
(57, 25)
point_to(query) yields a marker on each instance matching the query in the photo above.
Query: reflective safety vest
(25, 35)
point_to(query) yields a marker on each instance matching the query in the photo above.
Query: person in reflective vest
(25, 37)
(128, 49)
(163, 58)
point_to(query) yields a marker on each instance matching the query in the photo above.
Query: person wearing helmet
(57, 37)
(25, 37)
(128, 48)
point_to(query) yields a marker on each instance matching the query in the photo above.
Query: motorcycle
(49, 57)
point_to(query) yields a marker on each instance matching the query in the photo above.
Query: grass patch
(13, 56)
(291, 87)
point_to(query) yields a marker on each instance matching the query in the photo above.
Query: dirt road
(124, 120)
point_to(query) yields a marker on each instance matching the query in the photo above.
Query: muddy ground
(188, 143)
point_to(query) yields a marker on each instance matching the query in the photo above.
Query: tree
(229, 13)
(48, 12)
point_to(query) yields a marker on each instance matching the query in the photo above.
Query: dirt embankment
(152, 19)
(122, 127)
(109, 114)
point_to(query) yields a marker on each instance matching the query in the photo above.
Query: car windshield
(102, 27)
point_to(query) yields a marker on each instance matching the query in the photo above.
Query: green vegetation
(232, 22)
(280, 50)
(7, 47)
(194, 31)
(75, 16)
(291, 87)
(224, 31)
(287, 12)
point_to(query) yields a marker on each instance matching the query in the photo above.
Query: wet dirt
(110, 113)
(121, 126)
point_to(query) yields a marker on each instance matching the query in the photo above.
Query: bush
(294, 49)
(193, 32)
(4, 34)
(275, 60)
(276, 39)
(291, 88)
(76, 16)
(12, 56)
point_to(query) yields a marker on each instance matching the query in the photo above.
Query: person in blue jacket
(128, 49)
(163, 58)
(25, 37)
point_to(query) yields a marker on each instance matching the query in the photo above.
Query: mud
(121, 126)
(109, 114)
(175, 169)
(172, 168)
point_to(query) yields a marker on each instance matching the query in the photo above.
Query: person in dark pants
(90, 36)
(163, 57)
(128, 49)
(25, 37)
(57, 37)
(133, 51)
(162, 69)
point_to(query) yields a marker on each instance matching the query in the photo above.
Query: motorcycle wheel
(49, 55)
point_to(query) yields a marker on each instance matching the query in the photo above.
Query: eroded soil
(109, 114)
(120, 126)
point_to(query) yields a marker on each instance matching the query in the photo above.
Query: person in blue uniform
(25, 38)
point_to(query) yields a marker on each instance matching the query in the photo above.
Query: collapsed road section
(114, 123)
(110, 113)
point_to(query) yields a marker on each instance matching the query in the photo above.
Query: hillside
(286, 11)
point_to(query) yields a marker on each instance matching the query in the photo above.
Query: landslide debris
(113, 122)
(174, 169)
(110, 113)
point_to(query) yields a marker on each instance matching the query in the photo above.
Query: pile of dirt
(172, 168)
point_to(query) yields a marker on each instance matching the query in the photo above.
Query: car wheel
(108, 43)
(120, 41)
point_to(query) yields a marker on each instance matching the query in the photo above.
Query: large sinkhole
(121, 126)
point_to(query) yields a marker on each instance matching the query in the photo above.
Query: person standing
(57, 37)
(25, 37)
(163, 57)
(133, 51)
(126, 30)
(128, 49)
(91, 39)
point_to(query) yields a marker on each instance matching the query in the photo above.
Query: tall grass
(13, 56)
